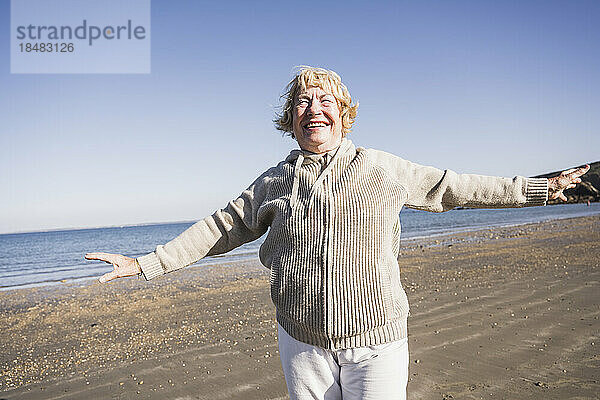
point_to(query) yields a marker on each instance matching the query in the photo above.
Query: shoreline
(253, 255)
(498, 311)
(133, 225)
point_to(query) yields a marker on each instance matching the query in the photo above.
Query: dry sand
(503, 313)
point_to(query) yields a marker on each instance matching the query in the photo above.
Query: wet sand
(503, 313)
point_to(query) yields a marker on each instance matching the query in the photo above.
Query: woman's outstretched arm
(437, 190)
(238, 223)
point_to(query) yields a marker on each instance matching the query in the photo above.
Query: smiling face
(316, 120)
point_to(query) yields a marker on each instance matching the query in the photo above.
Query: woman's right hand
(123, 265)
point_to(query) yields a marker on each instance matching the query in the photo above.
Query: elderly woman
(332, 215)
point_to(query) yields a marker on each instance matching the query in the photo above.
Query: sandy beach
(501, 313)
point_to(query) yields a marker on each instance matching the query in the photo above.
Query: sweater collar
(309, 157)
(302, 156)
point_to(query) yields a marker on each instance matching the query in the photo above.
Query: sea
(52, 257)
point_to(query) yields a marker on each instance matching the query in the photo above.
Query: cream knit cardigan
(334, 237)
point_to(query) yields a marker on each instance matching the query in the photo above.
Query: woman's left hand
(566, 180)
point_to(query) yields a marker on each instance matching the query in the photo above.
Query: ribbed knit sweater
(334, 237)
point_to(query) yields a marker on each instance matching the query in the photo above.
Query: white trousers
(367, 373)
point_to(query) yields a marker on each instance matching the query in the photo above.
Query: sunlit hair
(330, 82)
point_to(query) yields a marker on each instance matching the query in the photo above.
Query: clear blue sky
(503, 88)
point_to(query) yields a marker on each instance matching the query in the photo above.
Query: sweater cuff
(151, 266)
(536, 192)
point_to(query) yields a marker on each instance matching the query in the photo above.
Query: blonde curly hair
(327, 80)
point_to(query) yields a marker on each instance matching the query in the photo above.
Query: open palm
(123, 265)
(566, 180)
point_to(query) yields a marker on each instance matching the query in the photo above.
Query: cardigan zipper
(327, 259)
